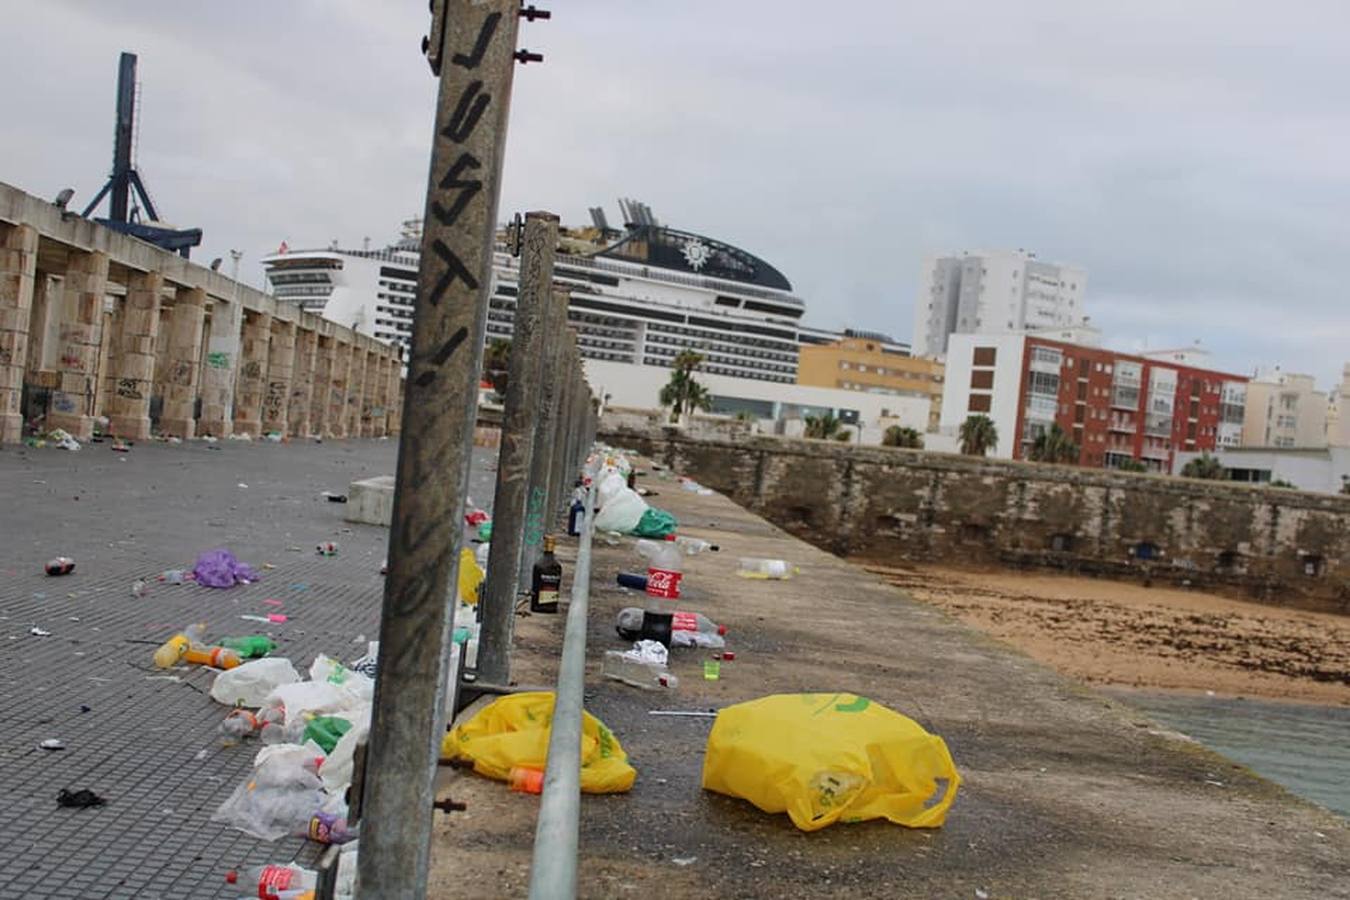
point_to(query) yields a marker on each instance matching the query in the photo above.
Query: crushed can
(61, 565)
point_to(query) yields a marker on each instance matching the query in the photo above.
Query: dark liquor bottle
(547, 580)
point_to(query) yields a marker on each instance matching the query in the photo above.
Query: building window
(983, 379)
(979, 403)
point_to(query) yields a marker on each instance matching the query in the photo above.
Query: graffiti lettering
(467, 189)
(252, 369)
(218, 360)
(129, 388)
(485, 34)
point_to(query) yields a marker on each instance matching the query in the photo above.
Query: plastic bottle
(664, 567)
(171, 651)
(215, 657)
(631, 623)
(623, 667)
(754, 567)
(252, 646)
(239, 724)
(634, 580)
(692, 545)
(61, 565)
(269, 882)
(574, 514)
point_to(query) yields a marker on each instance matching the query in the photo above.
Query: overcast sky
(1193, 156)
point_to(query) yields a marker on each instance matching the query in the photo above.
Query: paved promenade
(146, 744)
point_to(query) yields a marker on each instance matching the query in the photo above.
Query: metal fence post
(557, 449)
(519, 418)
(472, 48)
(538, 518)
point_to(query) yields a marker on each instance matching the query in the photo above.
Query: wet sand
(1126, 635)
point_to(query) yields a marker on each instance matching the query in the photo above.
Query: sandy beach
(1126, 635)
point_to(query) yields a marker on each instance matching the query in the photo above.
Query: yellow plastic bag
(514, 730)
(470, 577)
(824, 758)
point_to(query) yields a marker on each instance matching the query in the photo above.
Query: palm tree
(1054, 446)
(1204, 466)
(497, 364)
(978, 435)
(823, 426)
(899, 436)
(683, 393)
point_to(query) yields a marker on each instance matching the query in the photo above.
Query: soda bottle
(664, 571)
(239, 724)
(273, 882)
(754, 567)
(172, 651)
(692, 545)
(215, 657)
(546, 580)
(253, 646)
(61, 565)
(631, 623)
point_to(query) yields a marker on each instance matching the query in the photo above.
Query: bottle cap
(549, 543)
(721, 629)
(232, 877)
(669, 537)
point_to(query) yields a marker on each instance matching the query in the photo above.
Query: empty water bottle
(692, 545)
(630, 669)
(754, 567)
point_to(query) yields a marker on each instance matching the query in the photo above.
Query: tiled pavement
(148, 744)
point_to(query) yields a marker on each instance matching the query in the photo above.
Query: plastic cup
(712, 669)
(524, 780)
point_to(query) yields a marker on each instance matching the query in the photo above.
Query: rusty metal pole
(519, 418)
(537, 517)
(472, 47)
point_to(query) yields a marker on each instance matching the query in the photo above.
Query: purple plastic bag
(220, 569)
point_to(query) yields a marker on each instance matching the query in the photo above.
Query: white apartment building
(993, 292)
(1338, 412)
(1284, 410)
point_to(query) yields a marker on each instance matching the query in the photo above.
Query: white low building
(639, 387)
(1325, 470)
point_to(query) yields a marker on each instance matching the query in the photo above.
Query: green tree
(822, 427)
(683, 393)
(1204, 466)
(1281, 483)
(978, 435)
(1132, 465)
(1054, 446)
(899, 436)
(843, 437)
(497, 364)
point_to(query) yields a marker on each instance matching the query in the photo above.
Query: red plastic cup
(525, 780)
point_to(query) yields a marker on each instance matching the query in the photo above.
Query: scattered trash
(981, 894)
(728, 655)
(693, 486)
(63, 439)
(273, 436)
(692, 546)
(220, 569)
(61, 565)
(644, 666)
(170, 653)
(684, 860)
(242, 485)
(277, 618)
(485, 531)
(253, 646)
(327, 548)
(39, 632)
(274, 881)
(712, 669)
(215, 657)
(334, 498)
(754, 567)
(268, 566)
(174, 576)
(52, 744)
(655, 523)
(475, 517)
(81, 799)
(634, 580)
(138, 587)
(825, 757)
(514, 730)
(120, 446)
(687, 629)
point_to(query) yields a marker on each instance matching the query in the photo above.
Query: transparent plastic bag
(251, 683)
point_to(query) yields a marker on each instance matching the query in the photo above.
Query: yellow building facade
(863, 364)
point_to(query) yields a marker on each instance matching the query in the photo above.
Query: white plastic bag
(621, 507)
(280, 797)
(249, 684)
(315, 698)
(358, 687)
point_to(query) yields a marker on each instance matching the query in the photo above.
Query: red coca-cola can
(61, 565)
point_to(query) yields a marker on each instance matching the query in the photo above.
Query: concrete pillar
(254, 341)
(371, 415)
(81, 314)
(356, 385)
(280, 372)
(394, 418)
(132, 365)
(222, 365)
(18, 271)
(324, 351)
(41, 334)
(302, 384)
(337, 389)
(179, 379)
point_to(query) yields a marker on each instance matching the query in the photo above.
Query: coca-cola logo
(663, 583)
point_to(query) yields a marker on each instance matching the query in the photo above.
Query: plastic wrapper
(220, 569)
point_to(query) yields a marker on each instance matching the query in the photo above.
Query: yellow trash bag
(470, 577)
(513, 731)
(824, 758)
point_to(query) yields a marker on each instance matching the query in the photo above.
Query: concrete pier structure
(95, 323)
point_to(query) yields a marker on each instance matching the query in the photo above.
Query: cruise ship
(638, 295)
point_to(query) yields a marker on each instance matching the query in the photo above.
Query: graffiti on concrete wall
(130, 388)
(218, 360)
